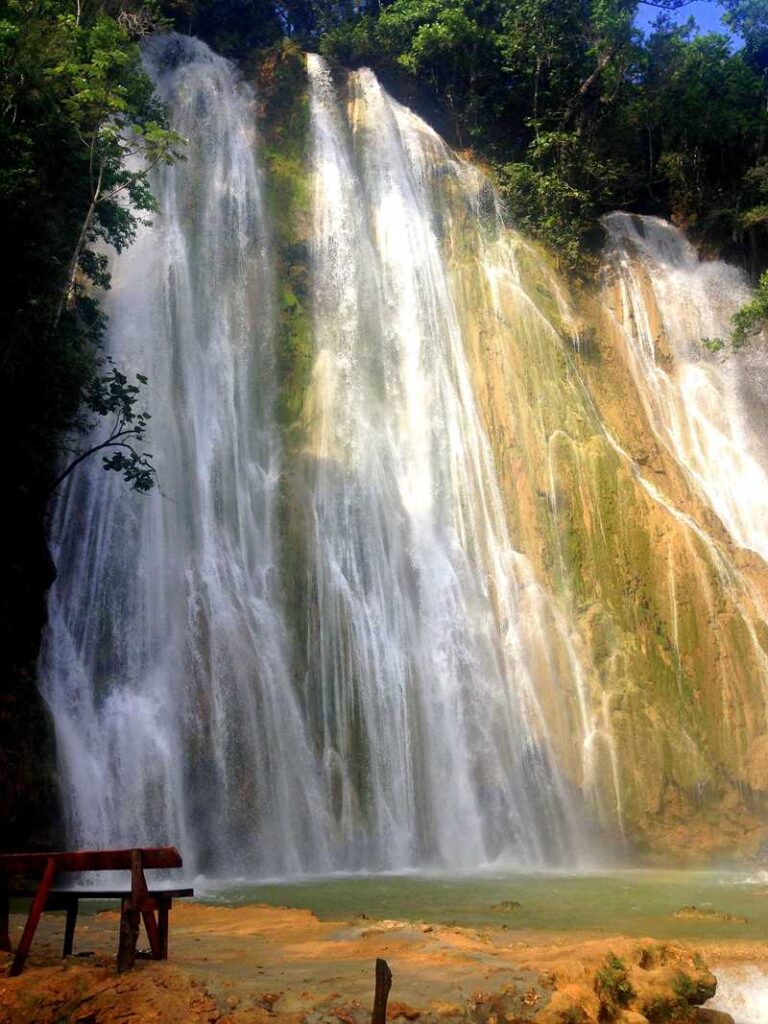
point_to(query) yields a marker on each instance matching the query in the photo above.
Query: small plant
(683, 987)
(752, 317)
(713, 344)
(612, 984)
(693, 991)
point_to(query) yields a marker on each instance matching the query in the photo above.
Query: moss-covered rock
(673, 643)
(281, 80)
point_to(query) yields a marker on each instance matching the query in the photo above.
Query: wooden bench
(137, 903)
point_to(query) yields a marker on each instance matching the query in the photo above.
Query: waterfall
(435, 744)
(707, 408)
(398, 723)
(424, 584)
(166, 662)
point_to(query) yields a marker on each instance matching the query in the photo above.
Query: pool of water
(639, 902)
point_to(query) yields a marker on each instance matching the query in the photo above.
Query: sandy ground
(259, 964)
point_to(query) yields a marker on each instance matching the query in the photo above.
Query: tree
(753, 316)
(109, 104)
(111, 395)
(749, 19)
(75, 107)
(80, 134)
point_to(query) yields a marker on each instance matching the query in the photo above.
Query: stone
(703, 1015)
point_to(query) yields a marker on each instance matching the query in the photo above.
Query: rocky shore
(257, 964)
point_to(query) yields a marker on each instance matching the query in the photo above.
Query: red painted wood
(138, 903)
(34, 916)
(139, 893)
(129, 933)
(162, 927)
(5, 935)
(130, 918)
(153, 933)
(90, 860)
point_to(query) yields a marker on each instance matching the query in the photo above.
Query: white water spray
(696, 404)
(166, 661)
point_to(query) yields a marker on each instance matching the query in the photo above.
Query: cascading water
(434, 742)
(412, 733)
(166, 663)
(696, 400)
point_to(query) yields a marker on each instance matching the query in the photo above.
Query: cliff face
(668, 610)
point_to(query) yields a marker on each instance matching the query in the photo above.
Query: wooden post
(69, 927)
(34, 916)
(130, 917)
(129, 934)
(383, 985)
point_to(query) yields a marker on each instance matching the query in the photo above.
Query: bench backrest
(90, 860)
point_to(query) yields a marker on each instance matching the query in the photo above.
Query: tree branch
(109, 443)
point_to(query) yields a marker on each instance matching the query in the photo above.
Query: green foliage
(612, 984)
(713, 344)
(749, 18)
(111, 395)
(282, 81)
(79, 131)
(666, 1011)
(752, 316)
(558, 193)
(578, 113)
(704, 107)
(575, 110)
(78, 108)
(684, 987)
(232, 27)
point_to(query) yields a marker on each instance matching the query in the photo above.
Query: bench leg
(5, 934)
(34, 916)
(129, 934)
(162, 915)
(69, 928)
(152, 933)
